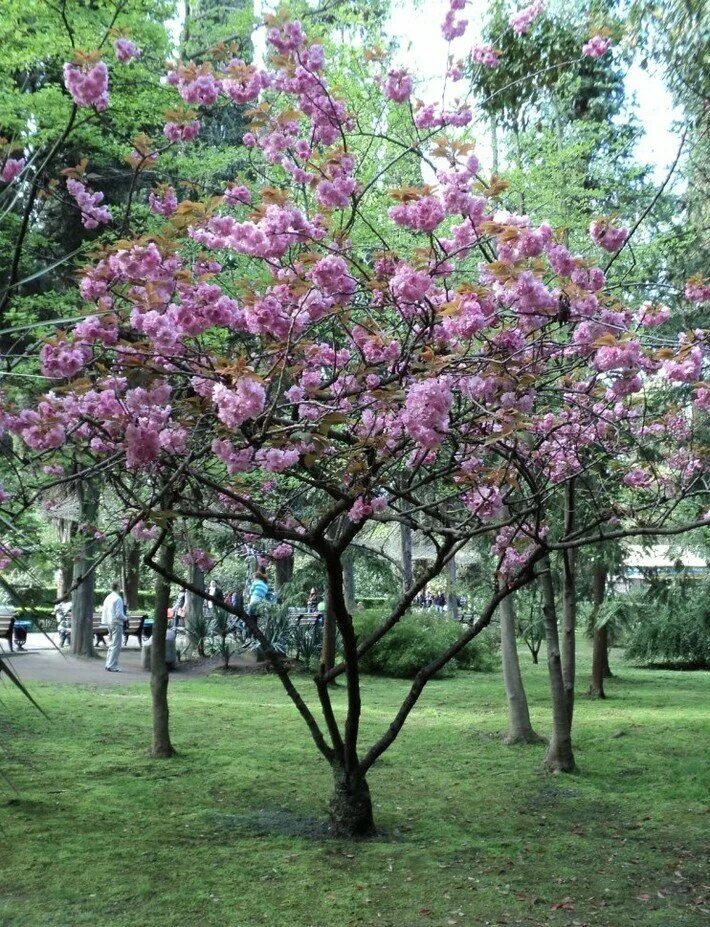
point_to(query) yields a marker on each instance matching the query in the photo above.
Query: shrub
(673, 627)
(416, 640)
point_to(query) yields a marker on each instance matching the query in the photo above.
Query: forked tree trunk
(600, 650)
(351, 805)
(559, 757)
(162, 746)
(452, 604)
(132, 573)
(83, 597)
(520, 730)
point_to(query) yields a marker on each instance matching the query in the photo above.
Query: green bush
(671, 626)
(416, 640)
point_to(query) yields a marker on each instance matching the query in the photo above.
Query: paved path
(42, 661)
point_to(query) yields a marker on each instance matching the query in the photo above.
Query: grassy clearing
(230, 833)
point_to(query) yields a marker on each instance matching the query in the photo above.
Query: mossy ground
(230, 832)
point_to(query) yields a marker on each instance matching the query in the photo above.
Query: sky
(423, 51)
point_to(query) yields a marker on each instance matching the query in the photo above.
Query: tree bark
(405, 546)
(351, 805)
(194, 604)
(569, 605)
(131, 573)
(66, 530)
(348, 562)
(284, 571)
(520, 730)
(600, 649)
(162, 745)
(559, 757)
(83, 597)
(452, 605)
(327, 654)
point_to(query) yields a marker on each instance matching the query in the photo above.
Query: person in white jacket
(113, 615)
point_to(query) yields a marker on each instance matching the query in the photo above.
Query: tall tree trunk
(194, 604)
(405, 546)
(162, 746)
(520, 730)
(600, 649)
(452, 603)
(66, 530)
(131, 573)
(327, 654)
(569, 604)
(284, 571)
(83, 597)
(559, 757)
(349, 580)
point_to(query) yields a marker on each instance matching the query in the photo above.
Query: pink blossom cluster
(62, 359)
(697, 290)
(126, 50)
(87, 84)
(164, 203)
(452, 28)
(142, 532)
(514, 548)
(521, 21)
(596, 47)
(426, 411)
(686, 369)
(11, 169)
(486, 55)
(398, 86)
(651, 315)
(420, 215)
(364, 507)
(237, 195)
(199, 558)
(607, 236)
(92, 214)
(182, 131)
(236, 405)
(282, 551)
(484, 501)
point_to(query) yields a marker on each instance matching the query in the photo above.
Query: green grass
(229, 833)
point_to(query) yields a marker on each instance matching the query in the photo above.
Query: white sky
(423, 50)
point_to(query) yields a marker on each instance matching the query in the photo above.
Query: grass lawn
(229, 833)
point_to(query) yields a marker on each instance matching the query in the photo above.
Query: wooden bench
(301, 617)
(99, 630)
(133, 627)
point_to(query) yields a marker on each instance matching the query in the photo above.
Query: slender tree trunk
(194, 604)
(83, 597)
(65, 573)
(327, 655)
(559, 757)
(520, 730)
(569, 605)
(349, 580)
(452, 604)
(131, 573)
(284, 571)
(405, 546)
(600, 649)
(162, 746)
(607, 669)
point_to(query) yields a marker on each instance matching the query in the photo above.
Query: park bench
(11, 634)
(301, 617)
(134, 627)
(99, 630)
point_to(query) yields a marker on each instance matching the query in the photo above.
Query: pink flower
(596, 47)
(63, 359)
(181, 132)
(282, 551)
(236, 406)
(125, 50)
(398, 86)
(409, 285)
(12, 168)
(88, 85)
(92, 215)
(687, 369)
(485, 55)
(199, 558)
(651, 316)
(521, 21)
(697, 290)
(142, 532)
(426, 412)
(422, 215)
(607, 236)
(638, 479)
(163, 203)
(237, 195)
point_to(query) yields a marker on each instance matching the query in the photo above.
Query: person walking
(113, 615)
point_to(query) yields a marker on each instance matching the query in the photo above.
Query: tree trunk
(600, 650)
(607, 669)
(83, 597)
(405, 545)
(66, 530)
(327, 655)
(348, 562)
(520, 730)
(569, 605)
(131, 573)
(162, 746)
(284, 571)
(194, 604)
(452, 605)
(559, 757)
(351, 805)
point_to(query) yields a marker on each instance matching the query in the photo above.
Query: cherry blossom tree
(310, 349)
